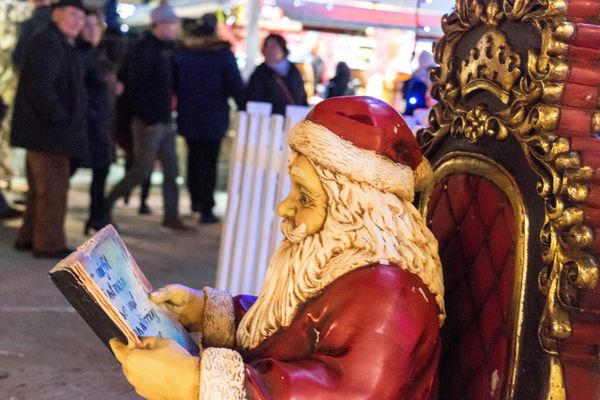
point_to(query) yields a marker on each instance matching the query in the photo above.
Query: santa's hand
(185, 302)
(162, 370)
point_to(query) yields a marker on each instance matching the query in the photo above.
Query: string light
(125, 10)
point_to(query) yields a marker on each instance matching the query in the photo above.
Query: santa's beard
(292, 278)
(293, 233)
(363, 226)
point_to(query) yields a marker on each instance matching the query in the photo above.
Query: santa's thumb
(118, 348)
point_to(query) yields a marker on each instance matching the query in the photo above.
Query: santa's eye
(304, 199)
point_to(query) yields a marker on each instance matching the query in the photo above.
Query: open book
(106, 287)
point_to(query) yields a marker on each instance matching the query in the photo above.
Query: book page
(113, 270)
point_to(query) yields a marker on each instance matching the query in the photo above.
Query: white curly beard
(288, 283)
(292, 233)
(363, 226)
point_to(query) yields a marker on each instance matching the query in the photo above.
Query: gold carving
(492, 66)
(553, 92)
(564, 31)
(528, 92)
(556, 7)
(478, 123)
(459, 163)
(559, 70)
(544, 118)
(596, 121)
(556, 390)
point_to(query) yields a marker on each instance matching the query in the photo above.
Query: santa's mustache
(292, 233)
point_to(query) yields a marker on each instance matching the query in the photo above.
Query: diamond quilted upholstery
(473, 221)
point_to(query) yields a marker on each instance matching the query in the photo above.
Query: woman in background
(340, 84)
(102, 86)
(276, 81)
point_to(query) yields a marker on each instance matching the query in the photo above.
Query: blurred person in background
(149, 88)
(276, 81)
(6, 211)
(39, 19)
(207, 76)
(102, 88)
(318, 68)
(49, 121)
(121, 132)
(340, 84)
(415, 89)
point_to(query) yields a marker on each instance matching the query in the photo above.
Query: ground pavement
(47, 352)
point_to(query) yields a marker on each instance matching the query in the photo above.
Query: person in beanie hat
(352, 301)
(49, 120)
(148, 78)
(207, 76)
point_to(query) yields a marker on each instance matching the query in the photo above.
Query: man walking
(49, 121)
(148, 79)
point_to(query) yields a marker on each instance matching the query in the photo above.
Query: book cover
(106, 287)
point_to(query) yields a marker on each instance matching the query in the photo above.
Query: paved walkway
(47, 351)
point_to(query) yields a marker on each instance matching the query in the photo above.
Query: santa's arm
(209, 311)
(218, 320)
(372, 334)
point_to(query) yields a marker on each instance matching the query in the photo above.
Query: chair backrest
(257, 183)
(514, 203)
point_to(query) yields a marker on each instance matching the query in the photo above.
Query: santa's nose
(286, 209)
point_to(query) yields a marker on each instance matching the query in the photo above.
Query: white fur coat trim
(222, 375)
(219, 319)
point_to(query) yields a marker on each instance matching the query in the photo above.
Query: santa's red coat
(372, 334)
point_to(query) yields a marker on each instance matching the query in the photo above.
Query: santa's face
(306, 205)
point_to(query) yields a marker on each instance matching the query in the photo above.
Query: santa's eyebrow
(297, 172)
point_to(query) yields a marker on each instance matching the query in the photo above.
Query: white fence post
(257, 182)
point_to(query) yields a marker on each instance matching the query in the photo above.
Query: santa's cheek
(311, 220)
(299, 220)
(304, 217)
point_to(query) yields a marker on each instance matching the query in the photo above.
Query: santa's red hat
(365, 139)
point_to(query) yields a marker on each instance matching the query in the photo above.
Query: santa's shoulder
(384, 283)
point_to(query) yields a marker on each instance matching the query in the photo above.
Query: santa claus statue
(352, 301)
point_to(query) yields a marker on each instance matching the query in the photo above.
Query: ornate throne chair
(515, 203)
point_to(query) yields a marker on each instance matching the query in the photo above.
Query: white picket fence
(257, 183)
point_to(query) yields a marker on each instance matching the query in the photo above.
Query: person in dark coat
(207, 75)
(148, 76)
(340, 85)
(39, 19)
(415, 89)
(121, 133)
(276, 81)
(102, 87)
(6, 211)
(49, 121)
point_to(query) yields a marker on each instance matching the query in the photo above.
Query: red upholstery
(474, 223)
